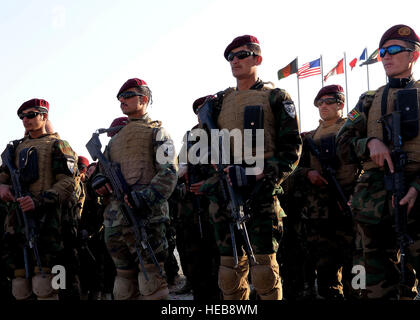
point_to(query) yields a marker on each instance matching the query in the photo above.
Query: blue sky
(77, 54)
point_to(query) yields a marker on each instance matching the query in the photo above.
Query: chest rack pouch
(254, 119)
(407, 102)
(28, 165)
(328, 153)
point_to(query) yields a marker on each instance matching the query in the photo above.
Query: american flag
(310, 69)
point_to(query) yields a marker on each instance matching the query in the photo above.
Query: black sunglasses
(240, 55)
(327, 101)
(29, 115)
(394, 49)
(128, 94)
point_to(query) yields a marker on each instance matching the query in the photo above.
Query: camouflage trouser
(121, 244)
(328, 236)
(198, 251)
(329, 254)
(376, 245)
(265, 227)
(49, 241)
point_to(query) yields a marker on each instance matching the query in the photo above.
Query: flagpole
(322, 72)
(367, 71)
(345, 77)
(297, 77)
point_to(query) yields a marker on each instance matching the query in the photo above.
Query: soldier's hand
(26, 203)
(316, 178)
(104, 190)
(409, 199)
(5, 193)
(379, 153)
(195, 187)
(127, 202)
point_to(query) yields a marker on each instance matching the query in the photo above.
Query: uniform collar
(323, 124)
(256, 86)
(145, 117)
(399, 82)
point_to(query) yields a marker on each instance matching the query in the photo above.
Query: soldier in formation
(350, 195)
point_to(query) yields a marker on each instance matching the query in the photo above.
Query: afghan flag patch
(353, 115)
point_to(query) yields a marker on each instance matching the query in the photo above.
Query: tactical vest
(43, 147)
(232, 116)
(374, 129)
(345, 173)
(133, 149)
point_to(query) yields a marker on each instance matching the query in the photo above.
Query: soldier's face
(36, 123)
(133, 106)
(329, 112)
(398, 65)
(244, 68)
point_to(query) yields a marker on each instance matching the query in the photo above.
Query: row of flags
(314, 67)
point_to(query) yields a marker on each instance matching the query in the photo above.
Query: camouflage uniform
(328, 233)
(195, 237)
(371, 203)
(97, 271)
(171, 263)
(6, 274)
(50, 192)
(153, 182)
(282, 147)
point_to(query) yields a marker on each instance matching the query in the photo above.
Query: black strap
(384, 104)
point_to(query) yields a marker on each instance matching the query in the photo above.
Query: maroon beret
(400, 32)
(82, 161)
(35, 103)
(331, 89)
(121, 121)
(132, 83)
(240, 41)
(199, 102)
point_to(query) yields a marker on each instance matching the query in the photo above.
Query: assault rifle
(120, 189)
(29, 224)
(192, 178)
(329, 173)
(395, 182)
(235, 203)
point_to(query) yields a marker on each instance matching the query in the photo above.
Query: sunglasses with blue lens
(394, 49)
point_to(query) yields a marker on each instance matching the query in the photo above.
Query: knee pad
(156, 288)
(265, 277)
(21, 288)
(125, 285)
(234, 281)
(41, 286)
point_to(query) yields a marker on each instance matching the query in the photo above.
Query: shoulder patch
(353, 114)
(289, 107)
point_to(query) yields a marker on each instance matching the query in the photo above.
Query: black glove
(138, 201)
(239, 178)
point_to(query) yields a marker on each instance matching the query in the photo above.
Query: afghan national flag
(288, 70)
(338, 69)
(373, 58)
